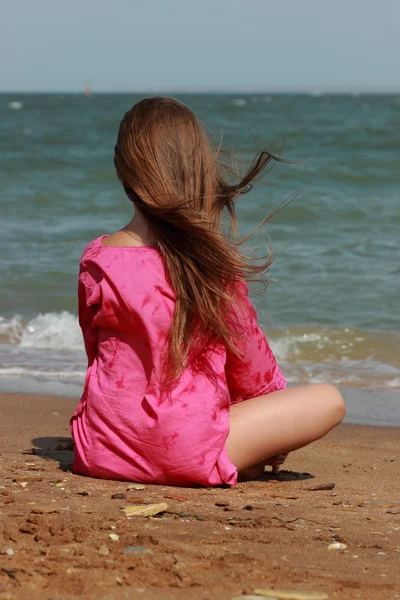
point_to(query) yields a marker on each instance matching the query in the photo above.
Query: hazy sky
(137, 45)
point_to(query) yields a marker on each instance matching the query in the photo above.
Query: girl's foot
(278, 462)
(256, 471)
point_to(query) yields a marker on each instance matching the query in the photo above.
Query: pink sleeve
(255, 372)
(86, 312)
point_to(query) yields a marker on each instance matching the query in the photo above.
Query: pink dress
(126, 427)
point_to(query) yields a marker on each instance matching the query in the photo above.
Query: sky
(199, 45)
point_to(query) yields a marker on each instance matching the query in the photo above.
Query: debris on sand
(291, 594)
(103, 549)
(135, 486)
(145, 510)
(137, 550)
(322, 486)
(178, 498)
(248, 597)
(28, 478)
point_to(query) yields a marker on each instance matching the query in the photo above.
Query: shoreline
(211, 543)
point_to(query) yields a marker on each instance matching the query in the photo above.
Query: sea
(331, 309)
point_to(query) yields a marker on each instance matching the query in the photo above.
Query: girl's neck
(139, 229)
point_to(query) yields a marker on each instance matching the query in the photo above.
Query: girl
(181, 387)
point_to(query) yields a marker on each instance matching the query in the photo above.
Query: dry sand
(218, 543)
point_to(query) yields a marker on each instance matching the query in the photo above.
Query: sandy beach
(63, 536)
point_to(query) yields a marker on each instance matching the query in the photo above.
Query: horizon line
(317, 90)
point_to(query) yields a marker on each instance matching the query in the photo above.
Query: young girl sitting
(182, 387)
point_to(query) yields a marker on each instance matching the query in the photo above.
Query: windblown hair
(176, 180)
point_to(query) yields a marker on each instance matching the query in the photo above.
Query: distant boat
(16, 105)
(86, 91)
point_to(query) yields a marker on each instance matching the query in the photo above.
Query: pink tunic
(126, 427)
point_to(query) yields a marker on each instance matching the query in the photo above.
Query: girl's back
(127, 426)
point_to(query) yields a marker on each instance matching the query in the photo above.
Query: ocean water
(331, 313)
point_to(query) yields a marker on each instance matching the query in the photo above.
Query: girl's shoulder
(97, 248)
(91, 246)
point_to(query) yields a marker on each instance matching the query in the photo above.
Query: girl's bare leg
(281, 422)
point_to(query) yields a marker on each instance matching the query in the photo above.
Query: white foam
(239, 102)
(11, 328)
(289, 346)
(284, 348)
(394, 383)
(15, 105)
(52, 330)
(50, 374)
(55, 330)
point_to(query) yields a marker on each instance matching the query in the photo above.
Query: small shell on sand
(337, 546)
(247, 597)
(291, 594)
(135, 486)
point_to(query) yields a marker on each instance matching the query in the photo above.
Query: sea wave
(50, 347)
(342, 356)
(61, 331)
(50, 330)
(334, 345)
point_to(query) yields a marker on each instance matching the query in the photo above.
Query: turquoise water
(332, 316)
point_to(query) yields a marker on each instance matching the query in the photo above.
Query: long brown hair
(176, 180)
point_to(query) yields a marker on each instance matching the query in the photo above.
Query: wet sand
(211, 544)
